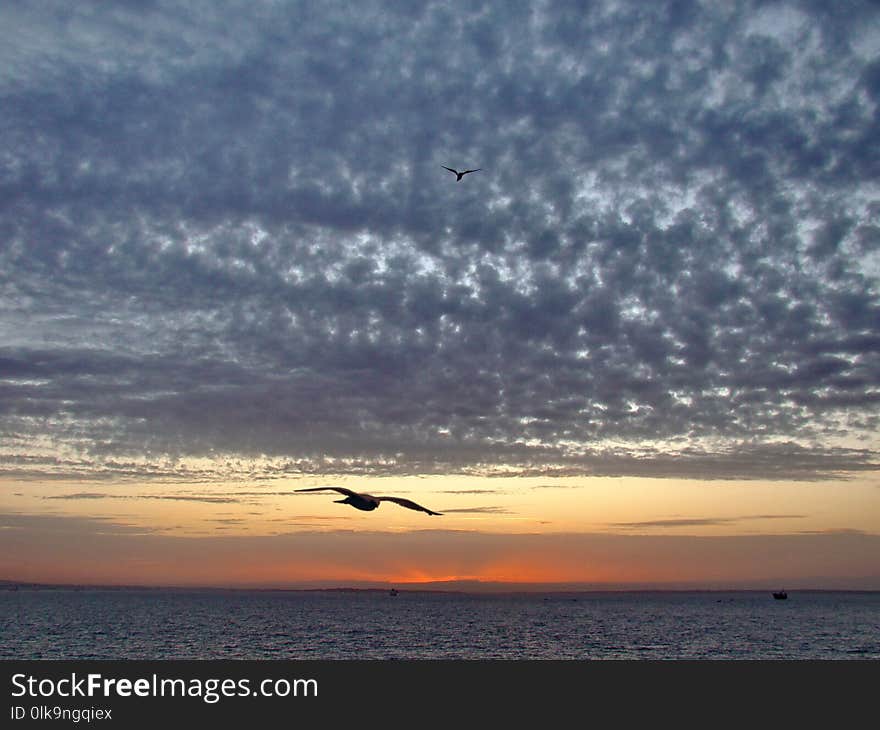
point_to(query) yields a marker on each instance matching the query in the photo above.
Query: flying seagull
(368, 502)
(460, 175)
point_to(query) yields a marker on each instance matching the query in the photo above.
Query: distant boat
(780, 595)
(392, 592)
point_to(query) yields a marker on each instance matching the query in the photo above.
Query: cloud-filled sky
(226, 231)
(229, 249)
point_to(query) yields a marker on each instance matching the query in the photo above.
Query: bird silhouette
(460, 175)
(368, 502)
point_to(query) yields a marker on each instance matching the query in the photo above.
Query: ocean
(180, 624)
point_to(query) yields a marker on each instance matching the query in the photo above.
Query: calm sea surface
(160, 624)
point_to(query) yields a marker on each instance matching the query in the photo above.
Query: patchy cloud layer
(226, 235)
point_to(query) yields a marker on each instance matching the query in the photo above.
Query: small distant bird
(368, 502)
(460, 175)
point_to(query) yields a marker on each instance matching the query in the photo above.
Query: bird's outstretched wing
(409, 504)
(467, 171)
(450, 169)
(341, 490)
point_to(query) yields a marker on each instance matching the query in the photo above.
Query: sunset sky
(641, 346)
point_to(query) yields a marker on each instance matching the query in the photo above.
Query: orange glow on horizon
(509, 531)
(237, 562)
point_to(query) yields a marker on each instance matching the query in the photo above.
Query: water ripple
(158, 624)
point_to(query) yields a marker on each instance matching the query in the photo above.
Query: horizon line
(870, 584)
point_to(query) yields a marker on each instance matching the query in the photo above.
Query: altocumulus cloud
(227, 244)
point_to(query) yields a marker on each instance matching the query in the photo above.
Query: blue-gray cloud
(494, 510)
(701, 521)
(225, 232)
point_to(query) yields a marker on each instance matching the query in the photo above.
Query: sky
(641, 345)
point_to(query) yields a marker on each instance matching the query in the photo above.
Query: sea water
(180, 624)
